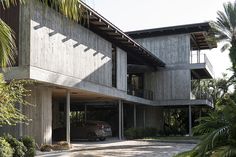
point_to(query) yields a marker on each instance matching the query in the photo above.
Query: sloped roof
(101, 26)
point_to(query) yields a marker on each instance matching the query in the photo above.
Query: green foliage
(11, 94)
(5, 148)
(224, 29)
(18, 147)
(7, 45)
(30, 145)
(214, 88)
(175, 122)
(218, 131)
(136, 133)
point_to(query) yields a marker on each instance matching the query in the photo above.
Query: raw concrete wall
(121, 69)
(172, 49)
(41, 125)
(170, 83)
(60, 45)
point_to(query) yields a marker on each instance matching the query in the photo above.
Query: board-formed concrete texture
(61, 54)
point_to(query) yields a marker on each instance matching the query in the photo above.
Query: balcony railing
(196, 57)
(142, 93)
(201, 95)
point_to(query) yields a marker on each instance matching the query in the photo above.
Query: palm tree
(69, 8)
(225, 30)
(219, 133)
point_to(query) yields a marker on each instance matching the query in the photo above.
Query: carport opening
(81, 115)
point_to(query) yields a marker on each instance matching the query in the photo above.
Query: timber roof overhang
(101, 26)
(201, 34)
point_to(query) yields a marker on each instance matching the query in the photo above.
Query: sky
(131, 15)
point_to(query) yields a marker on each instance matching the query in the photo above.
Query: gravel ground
(116, 148)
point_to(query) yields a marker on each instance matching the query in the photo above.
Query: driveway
(117, 148)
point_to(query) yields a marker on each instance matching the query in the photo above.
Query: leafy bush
(30, 144)
(150, 132)
(5, 148)
(130, 133)
(18, 147)
(135, 133)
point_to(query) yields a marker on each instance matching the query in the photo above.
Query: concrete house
(126, 78)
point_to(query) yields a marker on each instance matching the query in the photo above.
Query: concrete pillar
(144, 117)
(68, 116)
(135, 120)
(40, 128)
(198, 56)
(85, 112)
(121, 120)
(190, 119)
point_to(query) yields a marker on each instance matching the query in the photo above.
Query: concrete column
(85, 113)
(190, 119)
(40, 128)
(135, 120)
(198, 56)
(144, 117)
(121, 126)
(68, 116)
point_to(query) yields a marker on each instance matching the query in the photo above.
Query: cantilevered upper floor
(180, 48)
(199, 37)
(90, 56)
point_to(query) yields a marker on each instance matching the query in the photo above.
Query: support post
(135, 120)
(198, 56)
(144, 117)
(85, 112)
(68, 116)
(121, 119)
(190, 119)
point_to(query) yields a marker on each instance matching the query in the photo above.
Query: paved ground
(116, 148)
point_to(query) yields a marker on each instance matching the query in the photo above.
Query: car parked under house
(101, 73)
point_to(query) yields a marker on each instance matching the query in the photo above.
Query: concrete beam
(68, 116)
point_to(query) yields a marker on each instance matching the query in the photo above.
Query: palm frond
(7, 3)
(69, 8)
(7, 45)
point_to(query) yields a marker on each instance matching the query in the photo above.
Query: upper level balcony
(201, 67)
(202, 97)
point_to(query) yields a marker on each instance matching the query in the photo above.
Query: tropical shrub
(218, 131)
(5, 148)
(135, 133)
(18, 147)
(30, 145)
